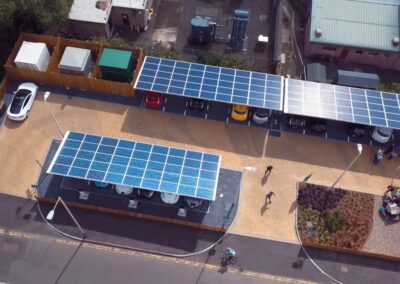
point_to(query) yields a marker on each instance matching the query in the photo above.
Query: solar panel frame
(209, 82)
(340, 103)
(137, 164)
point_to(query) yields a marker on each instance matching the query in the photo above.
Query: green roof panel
(114, 58)
(368, 24)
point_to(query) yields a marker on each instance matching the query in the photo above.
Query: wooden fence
(52, 76)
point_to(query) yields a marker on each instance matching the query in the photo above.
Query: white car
(123, 189)
(381, 134)
(22, 102)
(260, 116)
(169, 198)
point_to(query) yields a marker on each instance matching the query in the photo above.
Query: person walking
(268, 170)
(268, 197)
(378, 156)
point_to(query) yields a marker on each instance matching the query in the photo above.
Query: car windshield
(262, 113)
(153, 98)
(240, 109)
(18, 100)
(383, 134)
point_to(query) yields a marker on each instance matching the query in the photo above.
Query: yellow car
(240, 113)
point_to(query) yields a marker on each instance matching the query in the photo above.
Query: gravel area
(385, 235)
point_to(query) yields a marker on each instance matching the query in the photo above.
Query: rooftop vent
(102, 4)
(395, 40)
(318, 32)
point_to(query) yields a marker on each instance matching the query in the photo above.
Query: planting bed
(334, 217)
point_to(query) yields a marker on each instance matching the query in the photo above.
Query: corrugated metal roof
(370, 24)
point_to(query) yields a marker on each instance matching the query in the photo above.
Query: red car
(154, 100)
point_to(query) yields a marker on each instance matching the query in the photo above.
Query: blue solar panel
(136, 164)
(342, 103)
(211, 83)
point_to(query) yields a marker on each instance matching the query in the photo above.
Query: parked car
(22, 102)
(145, 193)
(123, 189)
(318, 126)
(169, 198)
(260, 116)
(100, 184)
(192, 202)
(381, 134)
(296, 122)
(240, 112)
(357, 130)
(154, 100)
(197, 104)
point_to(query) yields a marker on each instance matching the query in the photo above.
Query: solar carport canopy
(341, 103)
(137, 164)
(211, 83)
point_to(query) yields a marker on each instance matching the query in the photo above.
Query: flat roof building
(90, 18)
(360, 31)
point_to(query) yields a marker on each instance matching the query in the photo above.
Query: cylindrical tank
(203, 29)
(239, 25)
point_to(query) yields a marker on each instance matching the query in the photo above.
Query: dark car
(318, 126)
(192, 202)
(357, 131)
(197, 104)
(145, 193)
(296, 122)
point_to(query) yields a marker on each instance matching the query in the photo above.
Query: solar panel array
(341, 103)
(136, 164)
(211, 83)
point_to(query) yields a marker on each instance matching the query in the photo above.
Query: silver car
(260, 116)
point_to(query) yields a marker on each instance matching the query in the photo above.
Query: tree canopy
(32, 15)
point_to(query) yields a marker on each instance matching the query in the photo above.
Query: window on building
(329, 48)
(386, 55)
(358, 52)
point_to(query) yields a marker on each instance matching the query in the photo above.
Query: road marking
(157, 257)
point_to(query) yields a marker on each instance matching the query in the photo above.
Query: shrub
(334, 221)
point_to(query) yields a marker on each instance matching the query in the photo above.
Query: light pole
(46, 96)
(50, 215)
(359, 148)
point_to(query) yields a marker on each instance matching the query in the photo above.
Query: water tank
(203, 30)
(239, 20)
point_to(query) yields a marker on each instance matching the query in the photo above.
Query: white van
(381, 134)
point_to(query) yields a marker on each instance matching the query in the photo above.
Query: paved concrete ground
(384, 237)
(24, 147)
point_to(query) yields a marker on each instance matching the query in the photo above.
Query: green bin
(117, 65)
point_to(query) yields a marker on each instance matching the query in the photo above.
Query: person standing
(378, 156)
(268, 170)
(268, 197)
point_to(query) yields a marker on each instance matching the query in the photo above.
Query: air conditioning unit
(318, 32)
(396, 40)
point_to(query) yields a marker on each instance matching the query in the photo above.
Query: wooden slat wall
(56, 46)
(3, 88)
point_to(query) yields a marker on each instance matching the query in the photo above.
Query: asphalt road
(31, 252)
(39, 259)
